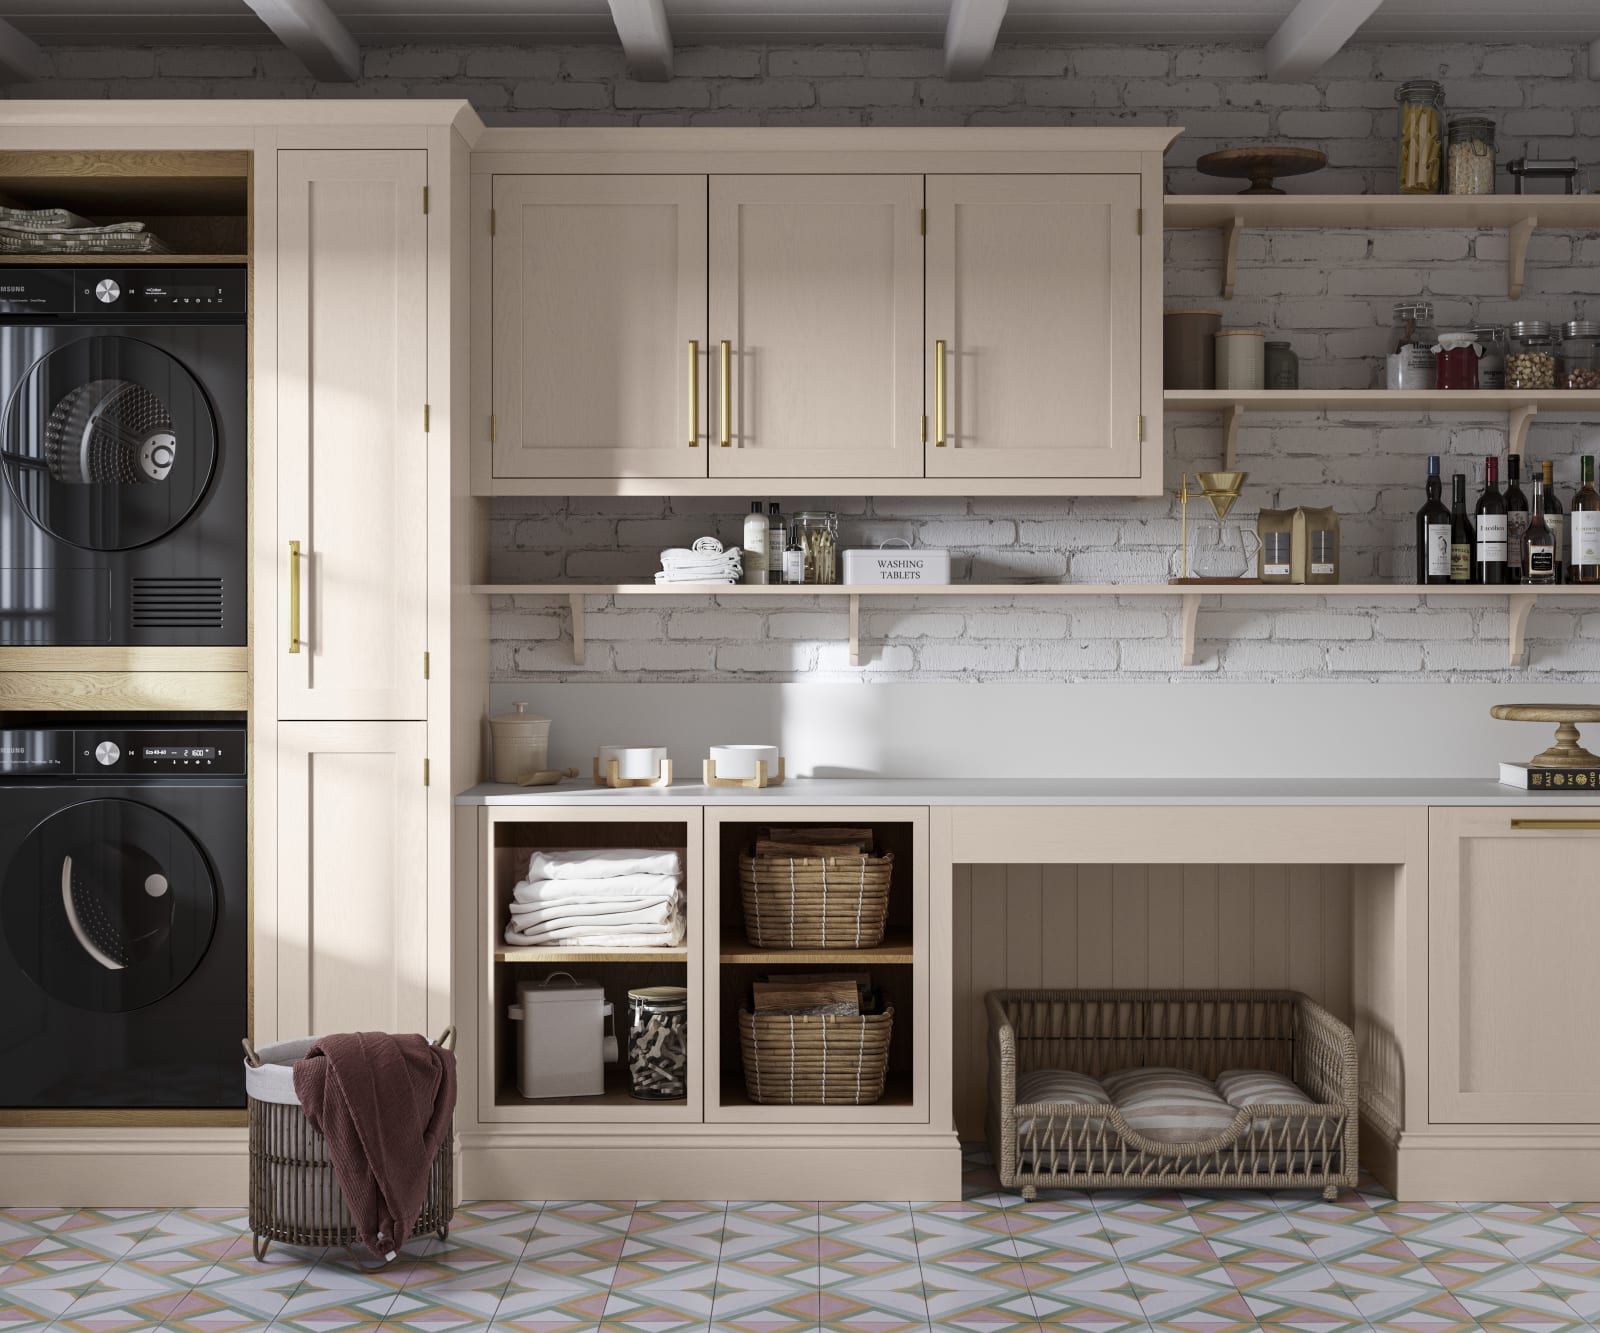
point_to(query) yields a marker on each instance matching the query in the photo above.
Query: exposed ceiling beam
(1313, 34)
(969, 36)
(314, 33)
(21, 60)
(646, 39)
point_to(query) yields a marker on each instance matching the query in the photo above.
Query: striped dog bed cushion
(1059, 1087)
(1169, 1105)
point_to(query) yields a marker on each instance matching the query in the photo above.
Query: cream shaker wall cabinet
(352, 476)
(1034, 366)
(1514, 917)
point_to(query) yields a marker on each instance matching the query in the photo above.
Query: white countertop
(958, 791)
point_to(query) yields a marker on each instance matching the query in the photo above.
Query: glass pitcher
(1223, 551)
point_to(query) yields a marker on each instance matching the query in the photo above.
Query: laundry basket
(294, 1194)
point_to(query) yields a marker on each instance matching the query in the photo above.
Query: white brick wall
(1329, 293)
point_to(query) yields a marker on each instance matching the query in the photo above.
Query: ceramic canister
(1188, 348)
(1241, 358)
(521, 744)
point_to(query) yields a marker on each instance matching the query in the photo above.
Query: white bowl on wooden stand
(633, 766)
(744, 766)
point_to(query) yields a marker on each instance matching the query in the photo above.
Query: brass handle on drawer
(694, 393)
(1556, 823)
(938, 394)
(725, 351)
(294, 597)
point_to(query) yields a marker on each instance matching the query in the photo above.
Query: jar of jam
(1455, 361)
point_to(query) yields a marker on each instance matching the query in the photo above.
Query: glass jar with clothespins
(1221, 552)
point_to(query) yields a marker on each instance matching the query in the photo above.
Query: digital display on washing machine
(206, 752)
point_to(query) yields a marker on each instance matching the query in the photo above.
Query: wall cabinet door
(599, 326)
(1513, 926)
(816, 285)
(352, 871)
(1033, 288)
(352, 448)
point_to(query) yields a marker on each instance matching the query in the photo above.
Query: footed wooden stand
(1566, 752)
(709, 776)
(610, 778)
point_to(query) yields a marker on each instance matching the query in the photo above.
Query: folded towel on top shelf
(607, 864)
(566, 891)
(706, 563)
(619, 897)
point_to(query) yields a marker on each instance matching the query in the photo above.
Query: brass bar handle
(938, 394)
(1556, 823)
(294, 597)
(694, 393)
(725, 351)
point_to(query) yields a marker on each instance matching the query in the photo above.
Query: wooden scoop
(548, 777)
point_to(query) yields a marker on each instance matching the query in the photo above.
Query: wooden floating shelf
(896, 948)
(558, 954)
(114, 261)
(616, 1103)
(1519, 215)
(1520, 600)
(1519, 405)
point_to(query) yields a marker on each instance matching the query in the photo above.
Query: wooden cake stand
(1566, 752)
(1261, 166)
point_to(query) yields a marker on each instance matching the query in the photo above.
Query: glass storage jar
(1411, 340)
(1421, 149)
(658, 1043)
(1491, 355)
(816, 533)
(1282, 367)
(1530, 355)
(1470, 159)
(1455, 361)
(1580, 354)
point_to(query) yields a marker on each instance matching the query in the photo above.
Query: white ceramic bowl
(739, 761)
(633, 761)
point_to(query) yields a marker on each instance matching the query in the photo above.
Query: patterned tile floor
(1111, 1262)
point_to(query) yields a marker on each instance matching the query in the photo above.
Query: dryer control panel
(165, 752)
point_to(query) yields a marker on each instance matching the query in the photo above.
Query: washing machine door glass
(108, 905)
(108, 442)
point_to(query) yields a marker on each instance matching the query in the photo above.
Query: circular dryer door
(109, 443)
(108, 905)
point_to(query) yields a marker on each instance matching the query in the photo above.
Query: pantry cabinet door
(352, 886)
(350, 558)
(1513, 924)
(816, 286)
(1034, 290)
(600, 326)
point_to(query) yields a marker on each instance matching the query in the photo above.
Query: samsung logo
(13, 289)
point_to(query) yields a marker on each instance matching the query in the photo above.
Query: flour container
(563, 1047)
(521, 744)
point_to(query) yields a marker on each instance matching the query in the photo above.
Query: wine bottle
(1555, 516)
(1433, 533)
(1460, 532)
(1538, 544)
(1489, 548)
(1585, 559)
(1516, 518)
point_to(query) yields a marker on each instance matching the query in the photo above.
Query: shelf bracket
(576, 602)
(1191, 613)
(1230, 251)
(1518, 607)
(1517, 422)
(1517, 239)
(855, 629)
(1231, 437)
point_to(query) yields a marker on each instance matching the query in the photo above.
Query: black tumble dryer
(122, 448)
(123, 916)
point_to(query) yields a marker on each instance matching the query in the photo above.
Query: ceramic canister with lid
(521, 744)
(1188, 348)
(1241, 358)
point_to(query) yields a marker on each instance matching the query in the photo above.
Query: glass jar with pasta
(1421, 157)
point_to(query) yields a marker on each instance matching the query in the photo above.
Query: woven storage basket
(294, 1194)
(815, 1059)
(815, 902)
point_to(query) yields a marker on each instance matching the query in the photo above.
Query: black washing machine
(123, 418)
(123, 921)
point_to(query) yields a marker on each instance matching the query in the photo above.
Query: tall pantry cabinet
(358, 506)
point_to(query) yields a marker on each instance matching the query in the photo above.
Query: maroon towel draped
(383, 1105)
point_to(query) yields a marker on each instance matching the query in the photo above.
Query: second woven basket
(815, 902)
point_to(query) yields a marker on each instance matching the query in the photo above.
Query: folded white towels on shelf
(618, 898)
(706, 563)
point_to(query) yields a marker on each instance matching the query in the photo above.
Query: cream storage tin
(896, 564)
(521, 744)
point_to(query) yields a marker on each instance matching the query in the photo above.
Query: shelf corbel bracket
(855, 629)
(1230, 251)
(1517, 422)
(1517, 239)
(1230, 440)
(1191, 613)
(1518, 607)
(576, 602)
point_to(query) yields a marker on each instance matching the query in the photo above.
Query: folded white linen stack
(617, 898)
(706, 563)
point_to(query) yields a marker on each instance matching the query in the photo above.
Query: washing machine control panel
(164, 752)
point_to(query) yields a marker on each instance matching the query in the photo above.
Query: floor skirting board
(108, 1168)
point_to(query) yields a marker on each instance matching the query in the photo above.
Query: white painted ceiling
(126, 22)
